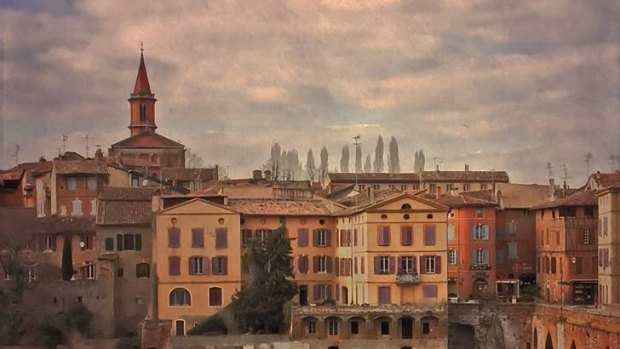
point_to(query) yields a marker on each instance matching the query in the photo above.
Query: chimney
(437, 167)
(466, 168)
(267, 174)
(257, 175)
(371, 194)
(551, 189)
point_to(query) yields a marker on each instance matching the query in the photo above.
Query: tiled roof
(521, 195)
(147, 139)
(67, 225)
(281, 207)
(189, 174)
(88, 166)
(584, 197)
(125, 206)
(478, 198)
(606, 179)
(433, 176)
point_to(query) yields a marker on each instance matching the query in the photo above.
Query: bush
(78, 318)
(128, 343)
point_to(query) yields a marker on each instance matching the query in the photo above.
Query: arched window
(180, 297)
(405, 207)
(142, 113)
(215, 297)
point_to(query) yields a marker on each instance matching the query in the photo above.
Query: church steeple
(142, 102)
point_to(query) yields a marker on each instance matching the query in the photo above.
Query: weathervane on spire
(141, 47)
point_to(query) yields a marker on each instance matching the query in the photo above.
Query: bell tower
(142, 102)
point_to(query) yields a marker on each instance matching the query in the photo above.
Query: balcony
(407, 279)
(480, 267)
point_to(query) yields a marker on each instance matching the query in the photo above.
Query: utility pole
(87, 145)
(356, 143)
(588, 158)
(16, 154)
(64, 143)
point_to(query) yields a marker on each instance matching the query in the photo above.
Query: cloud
(525, 82)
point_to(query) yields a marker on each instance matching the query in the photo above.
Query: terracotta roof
(18, 221)
(142, 86)
(471, 199)
(584, 197)
(355, 199)
(281, 207)
(336, 190)
(11, 175)
(606, 179)
(67, 225)
(435, 176)
(147, 139)
(189, 174)
(88, 166)
(521, 195)
(125, 206)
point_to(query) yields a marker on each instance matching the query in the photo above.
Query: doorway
(179, 327)
(303, 295)
(406, 328)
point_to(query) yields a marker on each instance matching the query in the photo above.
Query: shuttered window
(302, 237)
(406, 235)
(430, 291)
(383, 236)
(198, 237)
(174, 237)
(384, 294)
(429, 234)
(174, 265)
(221, 238)
(219, 265)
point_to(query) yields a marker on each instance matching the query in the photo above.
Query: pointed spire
(142, 80)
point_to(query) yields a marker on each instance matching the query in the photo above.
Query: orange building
(471, 244)
(566, 243)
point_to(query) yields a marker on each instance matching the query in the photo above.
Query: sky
(503, 85)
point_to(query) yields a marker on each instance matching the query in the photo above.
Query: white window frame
(322, 237)
(76, 208)
(406, 264)
(90, 271)
(322, 265)
(452, 256)
(480, 260)
(49, 242)
(430, 265)
(384, 264)
(311, 327)
(332, 327)
(197, 264)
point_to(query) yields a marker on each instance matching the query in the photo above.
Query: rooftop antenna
(356, 143)
(587, 159)
(87, 145)
(565, 177)
(549, 170)
(64, 143)
(438, 162)
(16, 154)
(613, 162)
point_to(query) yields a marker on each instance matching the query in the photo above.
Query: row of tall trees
(285, 165)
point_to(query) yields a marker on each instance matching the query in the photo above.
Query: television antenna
(587, 159)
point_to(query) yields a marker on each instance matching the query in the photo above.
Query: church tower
(142, 102)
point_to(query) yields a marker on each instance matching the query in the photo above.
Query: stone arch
(573, 346)
(333, 325)
(548, 342)
(535, 339)
(356, 326)
(310, 326)
(429, 324)
(383, 326)
(406, 326)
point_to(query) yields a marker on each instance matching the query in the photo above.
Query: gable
(197, 206)
(415, 202)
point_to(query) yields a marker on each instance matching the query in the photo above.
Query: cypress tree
(67, 260)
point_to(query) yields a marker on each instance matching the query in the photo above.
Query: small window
(71, 183)
(385, 328)
(311, 327)
(426, 328)
(429, 265)
(479, 212)
(332, 327)
(196, 266)
(322, 238)
(355, 327)
(143, 270)
(405, 207)
(220, 265)
(120, 272)
(91, 183)
(452, 256)
(215, 297)
(89, 271)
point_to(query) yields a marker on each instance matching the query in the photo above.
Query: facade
(197, 260)
(18, 184)
(471, 235)
(516, 232)
(566, 249)
(124, 235)
(435, 182)
(609, 245)
(74, 185)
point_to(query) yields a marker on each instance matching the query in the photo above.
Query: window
(429, 264)
(604, 226)
(311, 326)
(89, 271)
(50, 243)
(322, 292)
(220, 265)
(403, 187)
(196, 266)
(481, 256)
(91, 183)
(143, 270)
(302, 264)
(426, 327)
(433, 188)
(263, 234)
(322, 238)
(221, 238)
(174, 265)
(586, 236)
(383, 236)
(86, 242)
(512, 227)
(198, 237)
(384, 265)
(480, 231)
(142, 113)
(179, 297)
(77, 208)
(483, 186)
(120, 272)
(406, 235)
(407, 265)
(354, 327)
(128, 242)
(526, 212)
(384, 294)
(429, 235)
(451, 235)
(479, 212)
(588, 212)
(322, 262)
(174, 237)
(452, 256)
(466, 187)
(450, 187)
(553, 265)
(109, 244)
(246, 236)
(385, 328)
(302, 237)
(215, 297)
(512, 250)
(71, 183)
(332, 327)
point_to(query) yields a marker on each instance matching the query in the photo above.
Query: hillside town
(131, 244)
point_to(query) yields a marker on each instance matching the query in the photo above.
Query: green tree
(67, 260)
(260, 305)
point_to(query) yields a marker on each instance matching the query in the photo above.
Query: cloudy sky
(507, 85)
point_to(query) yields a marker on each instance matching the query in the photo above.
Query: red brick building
(566, 243)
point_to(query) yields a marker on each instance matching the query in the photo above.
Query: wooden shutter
(337, 265)
(174, 237)
(206, 265)
(315, 237)
(415, 264)
(315, 292)
(119, 242)
(224, 265)
(473, 231)
(315, 264)
(138, 242)
(328, 237)
(328, 264)
(337, 292)
(485, 231)
(422, 264)
(380, 241)
(438, 265)
(328, 292)
(392, 266)
(197, 237)
(221, 238)
(302, 237)
(377, 265)
(354, 237)
(174, 265)
(406, 236)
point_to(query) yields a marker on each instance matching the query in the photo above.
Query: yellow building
(609, 245)
(196, 250)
